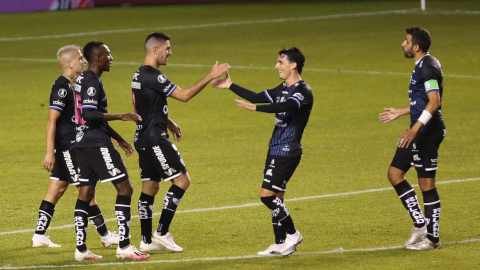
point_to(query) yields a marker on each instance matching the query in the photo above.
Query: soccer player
(59, 159)
(292, 103)
(96, 156)
(157, 156)
(418, 146)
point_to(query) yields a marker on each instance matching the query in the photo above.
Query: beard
(409, 53)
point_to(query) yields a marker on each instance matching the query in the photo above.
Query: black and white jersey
(90, 95)
(289, 126)
(426, 77)
(150, 89)
(62, 100)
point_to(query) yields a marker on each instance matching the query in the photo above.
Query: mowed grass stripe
(253, 67)
(338, 250)
(258, 204)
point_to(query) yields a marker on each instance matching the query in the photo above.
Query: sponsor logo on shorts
(269, 172)
(108, 162)
(416, 158)
(275, 212)
(58, 102)
(266, 180)
(161, 157)
(434, 160)
(71, 168)
(62, 93)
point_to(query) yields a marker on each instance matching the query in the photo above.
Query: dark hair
(157, 36)
(420, 37)
(294, 55)
(88, 49)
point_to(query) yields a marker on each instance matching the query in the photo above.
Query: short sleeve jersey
(426, 77)
(289, 126)
(62, 100)
(90, 95)
(150, 89)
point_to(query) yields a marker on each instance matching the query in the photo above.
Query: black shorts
(158, 162)
(422, 153)
(64, 168)
(278, 171)
(100, 163)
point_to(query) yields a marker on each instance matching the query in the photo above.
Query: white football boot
(42, 241)
(166, 241)
(87, 255)
(110, 239)
(416, 235)
(131, 252)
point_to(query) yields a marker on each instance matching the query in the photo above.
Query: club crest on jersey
(162, 78)
(91, 91)
(298, 96)
(62, 93)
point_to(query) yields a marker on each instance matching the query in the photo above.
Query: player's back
(150, 89)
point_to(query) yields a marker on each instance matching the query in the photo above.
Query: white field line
(196, 26)
(338, 250)
(253, 67)
(257, 204)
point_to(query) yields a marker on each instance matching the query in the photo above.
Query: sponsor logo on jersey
(139, 127)
(58, 102)
(413, 103)
(162, 78)
(79, 135)
(136, 85)
(161, 157)
(78, 88)
(79, 79)
(135, 76)
(298, 96)
(286, 148)
(62, 93)
(91, 91)
(167, 87)
(284, 92)
(90, 101)
(279, 123)
(165, 109)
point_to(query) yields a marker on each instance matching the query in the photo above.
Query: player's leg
(95, 215)
(401, 163)
(145, 210)
(426, 166)
(171, 167)
(170, 203)
(56, 189)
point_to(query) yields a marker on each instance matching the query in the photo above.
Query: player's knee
(86, 193)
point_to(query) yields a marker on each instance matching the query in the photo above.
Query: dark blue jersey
(426, 77)
(90, 95)
(289, 126)
(62, 100)
(150, 89)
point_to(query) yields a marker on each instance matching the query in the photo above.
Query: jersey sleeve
(302, 96)
(429, 78)
(90, 93)
(162, 85)
(58, 98)
(271, 94)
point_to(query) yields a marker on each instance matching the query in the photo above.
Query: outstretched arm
(95, 116)
(391, 114)
(287, 106)
(240, 91)
(189, 92)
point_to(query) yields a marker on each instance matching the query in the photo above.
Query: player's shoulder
(430, 61)
(61, 82)
(89, 76)
(304, 88)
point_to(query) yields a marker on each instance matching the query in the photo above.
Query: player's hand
(407, 138)
(222, 83)
(49, 161)
(390, 114)
(247, 105)
(127, 147)
(175, 129)
(130, 117)
(115, 142)
(218, 70)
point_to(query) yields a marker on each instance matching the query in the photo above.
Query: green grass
(346, 148)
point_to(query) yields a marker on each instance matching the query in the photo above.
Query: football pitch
(339, 197)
